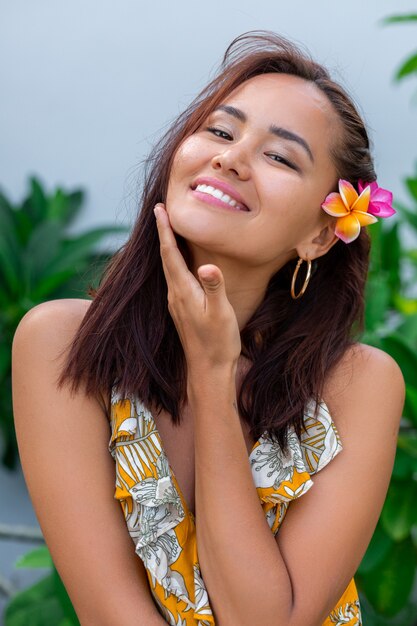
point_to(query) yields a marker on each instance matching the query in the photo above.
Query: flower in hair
(354, 210)
(380, 201)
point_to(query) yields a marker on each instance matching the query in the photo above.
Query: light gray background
(88, 86)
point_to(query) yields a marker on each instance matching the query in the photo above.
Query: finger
(175, 267)
(213, 283)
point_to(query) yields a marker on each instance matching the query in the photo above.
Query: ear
(320, 244)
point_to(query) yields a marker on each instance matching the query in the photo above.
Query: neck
(245, 285)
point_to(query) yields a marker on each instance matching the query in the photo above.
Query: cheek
(190, 153)
(290, 213)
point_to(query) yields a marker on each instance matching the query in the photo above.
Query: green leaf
(24, 227)
(36, 606)
(405, 466)
(406, 17)
(401, 352)
(42, 247)
(10, 252)
(410, 405)
(49, 284)
(64, 207)
(391, 255)
(408, 443)
(404, 212)
(80, 248)
(388, 586)
(406, 306)
(408, 67)
(5, 359)
(64, 599)
(376, 252)
(412, 186)
(376, 300)
(408, 329)
(36, 204)
(73, 257)
(39, 557)
(378, 547)
(399, 512)
(75, 200)
(7, 215)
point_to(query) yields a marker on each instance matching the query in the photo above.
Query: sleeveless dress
(163, 529)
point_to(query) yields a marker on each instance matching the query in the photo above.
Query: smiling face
(267, 147)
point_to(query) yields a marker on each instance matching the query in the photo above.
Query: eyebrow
(283, 133)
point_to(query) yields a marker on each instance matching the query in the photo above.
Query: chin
(196, 224)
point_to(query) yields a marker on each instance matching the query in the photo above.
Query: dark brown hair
(127, 337)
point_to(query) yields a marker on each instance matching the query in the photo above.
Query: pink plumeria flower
(380, 201)
(350, 208)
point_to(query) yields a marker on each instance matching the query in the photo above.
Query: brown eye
(215, 131)
(280, 159)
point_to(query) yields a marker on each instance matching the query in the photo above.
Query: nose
(234, 159)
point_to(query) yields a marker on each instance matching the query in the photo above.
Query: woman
(205, 348)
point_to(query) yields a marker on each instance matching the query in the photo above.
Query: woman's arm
(70, 475)
(297, 577)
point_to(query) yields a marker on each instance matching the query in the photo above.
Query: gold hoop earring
(294, 277)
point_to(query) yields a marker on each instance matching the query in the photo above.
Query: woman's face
(267, 147)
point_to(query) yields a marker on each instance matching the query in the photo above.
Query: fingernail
(156, 211)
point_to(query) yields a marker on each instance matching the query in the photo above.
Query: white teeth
(212, 191)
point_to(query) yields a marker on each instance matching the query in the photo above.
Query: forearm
(243, 569)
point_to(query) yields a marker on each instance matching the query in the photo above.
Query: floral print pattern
(163, 529)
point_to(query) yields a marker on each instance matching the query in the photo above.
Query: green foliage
(387, 575)
(39, 261)
(395, 19)
(46, 603)
(409, 65)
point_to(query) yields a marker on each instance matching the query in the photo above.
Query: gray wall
(87, 86)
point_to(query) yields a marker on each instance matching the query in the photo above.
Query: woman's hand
(202, 314)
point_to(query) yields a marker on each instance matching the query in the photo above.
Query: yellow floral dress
(163, 529)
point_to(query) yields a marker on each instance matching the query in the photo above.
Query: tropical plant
(39, 261)
(409, 65)
(46, 603)
(386, 577)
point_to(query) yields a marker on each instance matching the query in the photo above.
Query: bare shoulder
(43, 338)
(366, 388)
(364, 394)
(59, 318)
(85, 530)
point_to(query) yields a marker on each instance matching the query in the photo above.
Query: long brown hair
(127, 337)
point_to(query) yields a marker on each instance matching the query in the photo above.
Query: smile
(217, 197)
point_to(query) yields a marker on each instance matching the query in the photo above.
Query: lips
(223, 186)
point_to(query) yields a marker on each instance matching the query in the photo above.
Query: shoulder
(44, 335)
(365, 390)
(41, 345)
(365, 367)
(58, 317)
(68, 310)
(361, 360)
(364, 394)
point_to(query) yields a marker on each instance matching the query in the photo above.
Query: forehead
(288, 101)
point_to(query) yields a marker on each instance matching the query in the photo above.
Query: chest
(178, 445)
